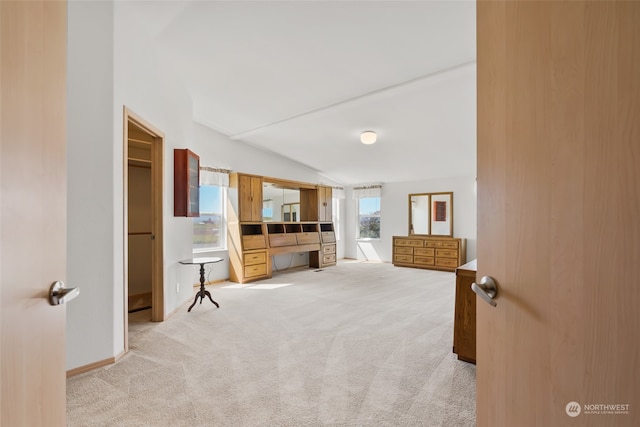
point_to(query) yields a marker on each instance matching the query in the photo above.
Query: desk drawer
(256, 241)
(328, 236)
(255, 258)
(282, 240)
(255, 270)
(329, 259)
(329, 249)
(446, 253)
(404, 250)
(307, 237)
(407, 259)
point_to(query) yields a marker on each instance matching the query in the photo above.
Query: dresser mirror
(431, 214)
(280, 203)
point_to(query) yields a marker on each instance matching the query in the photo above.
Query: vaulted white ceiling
(304, 78)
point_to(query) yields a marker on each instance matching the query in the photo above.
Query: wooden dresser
(432, 252)
(464, 326)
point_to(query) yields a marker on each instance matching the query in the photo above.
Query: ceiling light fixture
(368, 137)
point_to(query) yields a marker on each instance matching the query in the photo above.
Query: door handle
(487, 289)
(58, 294)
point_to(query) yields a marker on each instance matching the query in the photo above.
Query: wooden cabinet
(436, 253)
(464, 326)
(326, 256)
(245, 196)
(251, 261)
(186, 183)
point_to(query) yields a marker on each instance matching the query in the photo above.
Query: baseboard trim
(175, 310)
(95, 365)
(210, 282)
(139, 301)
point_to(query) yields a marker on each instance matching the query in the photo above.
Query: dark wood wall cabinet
(186, 183)
(464, 325)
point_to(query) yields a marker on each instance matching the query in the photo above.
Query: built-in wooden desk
(251, 246)
(464, 326)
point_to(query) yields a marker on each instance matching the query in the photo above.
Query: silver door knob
(487, 289)
(59, 295)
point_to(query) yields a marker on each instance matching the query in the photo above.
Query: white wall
(90, 198)
(394, 216)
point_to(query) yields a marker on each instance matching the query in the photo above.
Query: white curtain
(337, 193)
(373, 190)
(214, 176)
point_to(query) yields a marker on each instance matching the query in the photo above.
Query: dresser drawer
(446, 253)
(450, 245)
(403, 258)
(404, 250)
(255, 270)
(329, 249)
(423, 260)
(255, 258)
(408, 242)
(447, 262)
(424, 252)
(433, 244)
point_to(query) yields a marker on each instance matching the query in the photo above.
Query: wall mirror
(431, 214)
(280, 203)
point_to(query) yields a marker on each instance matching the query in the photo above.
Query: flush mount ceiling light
(368, 137)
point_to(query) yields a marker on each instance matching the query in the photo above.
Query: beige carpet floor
(358, 344)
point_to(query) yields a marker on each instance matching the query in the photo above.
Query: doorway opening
(143, 240)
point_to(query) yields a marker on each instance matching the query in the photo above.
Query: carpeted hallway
(359, 344)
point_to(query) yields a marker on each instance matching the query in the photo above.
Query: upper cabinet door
(249, 198)
(324, 204)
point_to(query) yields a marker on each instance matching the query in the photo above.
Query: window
(369, 218)
(209, 230)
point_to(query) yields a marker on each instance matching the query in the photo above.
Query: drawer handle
(487, 289)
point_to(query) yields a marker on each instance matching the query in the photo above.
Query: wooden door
(33, 212)
(558, 202)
